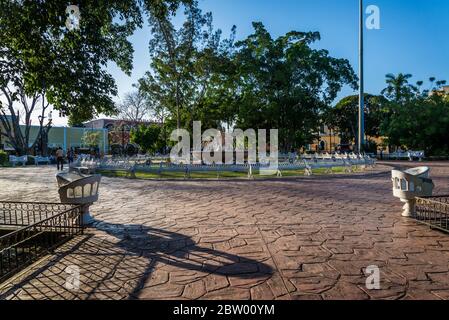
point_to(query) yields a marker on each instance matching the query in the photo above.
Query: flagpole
(361, 134)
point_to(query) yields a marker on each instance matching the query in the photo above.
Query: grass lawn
(213, 175)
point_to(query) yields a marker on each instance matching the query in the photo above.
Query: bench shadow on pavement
(119, 261)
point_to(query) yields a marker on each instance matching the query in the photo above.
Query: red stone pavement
(302, 238)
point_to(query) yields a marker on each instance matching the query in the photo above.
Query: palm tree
(434, 86)
(398, 87)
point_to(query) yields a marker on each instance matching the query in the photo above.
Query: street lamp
(361, 135)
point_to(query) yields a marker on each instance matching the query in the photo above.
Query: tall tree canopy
(284, 83)
(186, 66)
(148, 138)
(399, 90)
(40, 56)
(417, 118)
(398, 87)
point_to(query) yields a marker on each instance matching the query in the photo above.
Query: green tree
(421, 124)
(186, 67)
(420, 121)
(3, 158)
(284, 83)
(344, 116)
(398, 87)
(148, 138)
(91, 139)
(40, 57)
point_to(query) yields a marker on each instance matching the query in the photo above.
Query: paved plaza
(302, 238)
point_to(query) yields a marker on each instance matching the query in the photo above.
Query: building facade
(64, 137)
(118, 130)
(330, 141)
(445, 89)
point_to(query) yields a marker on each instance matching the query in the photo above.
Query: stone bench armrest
(79, 191)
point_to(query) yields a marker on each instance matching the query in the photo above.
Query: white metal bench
(416, 155)
(15, 160)
(91, 165)
(308, 163)
(410, 155)
(39, 159)
(84, 166)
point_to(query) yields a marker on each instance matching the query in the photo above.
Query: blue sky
(413, 37)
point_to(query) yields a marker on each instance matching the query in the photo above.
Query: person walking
(60, 158)
(70, 156)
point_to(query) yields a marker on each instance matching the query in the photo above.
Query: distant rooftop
(109, 123)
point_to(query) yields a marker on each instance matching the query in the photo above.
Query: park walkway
(305, 238)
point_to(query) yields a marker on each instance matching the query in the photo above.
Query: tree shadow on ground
(118, 261)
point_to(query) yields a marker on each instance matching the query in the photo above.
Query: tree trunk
(18, 138)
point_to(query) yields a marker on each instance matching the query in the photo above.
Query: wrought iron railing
(433, 211)
(21, 214)
(32, 230)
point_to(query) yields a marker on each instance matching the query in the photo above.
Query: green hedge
(4, 159)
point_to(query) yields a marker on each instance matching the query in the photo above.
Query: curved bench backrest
(82, 191)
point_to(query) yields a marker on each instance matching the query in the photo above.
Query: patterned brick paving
(305, 238)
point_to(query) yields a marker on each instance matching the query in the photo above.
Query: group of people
(60, 157)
